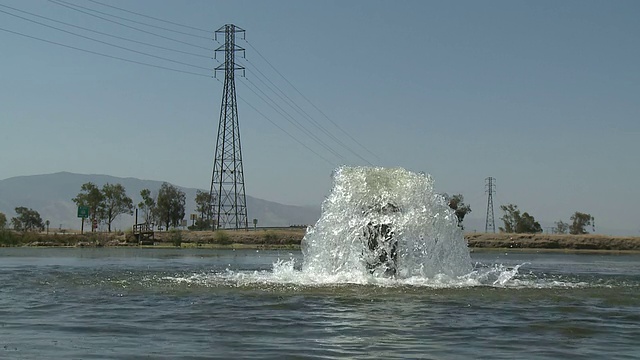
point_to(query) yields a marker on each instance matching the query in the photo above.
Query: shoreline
(554, 251)
(290, 239)
(592, 242)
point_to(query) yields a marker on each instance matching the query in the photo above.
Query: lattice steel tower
(227, 195)
(490, 186)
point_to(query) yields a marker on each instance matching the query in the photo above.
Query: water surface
(120, 303)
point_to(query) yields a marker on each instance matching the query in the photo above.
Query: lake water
(119, 303)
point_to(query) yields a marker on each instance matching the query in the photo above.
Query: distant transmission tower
(227, 196)
(490, 186)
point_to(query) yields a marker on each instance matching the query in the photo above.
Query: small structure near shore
(144, 233)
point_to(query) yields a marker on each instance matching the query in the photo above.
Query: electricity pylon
(227, 195)
(490, 186)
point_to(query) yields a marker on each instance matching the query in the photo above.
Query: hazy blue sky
(542, 95)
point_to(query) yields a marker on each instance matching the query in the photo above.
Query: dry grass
(281, 236)
(291, 237)
(548, 241)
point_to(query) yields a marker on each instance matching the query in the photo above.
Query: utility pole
(227, 195)
(490, 187)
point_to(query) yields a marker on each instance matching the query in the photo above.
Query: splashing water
(415, 232)
(427, 241)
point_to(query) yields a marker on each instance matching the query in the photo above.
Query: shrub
(30, 238)
(222, 238)
(130, 238)
(270, 238)
(175, 237)
(8, 238)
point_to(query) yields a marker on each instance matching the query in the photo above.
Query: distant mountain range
(51, 196)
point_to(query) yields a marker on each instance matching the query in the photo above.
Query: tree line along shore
(101, 206)
(292, 237)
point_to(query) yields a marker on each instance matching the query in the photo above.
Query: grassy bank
(12, 238)
(291, 238)
(280, 236)
(549, 241)
(271, 238)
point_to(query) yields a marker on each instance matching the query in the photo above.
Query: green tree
(203, 206)
(3, 221)
(147, 205)
(115, 202)
(91, 196)
(201, 224)
(456, 202)
(579, 222)
(203, 203)
(515, 222)
(510, 218)
(27, 220)
(170, 205)
(528, 225)
(561, 227)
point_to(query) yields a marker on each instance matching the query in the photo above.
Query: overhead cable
(285, 131)
(106, 34)
(105, 55)
(106, 43)
(312, 104)
(285, 98)
(151, 17)
(133, 21)
(291, 119)
(128, 26)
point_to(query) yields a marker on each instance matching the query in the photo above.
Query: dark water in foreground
(202, 304)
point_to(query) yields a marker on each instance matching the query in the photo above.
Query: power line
(151, 17)
(105, 34)
(284, 131)
(105, 55)
(292, 120)
(303, 113)
(296, 123)
(129, 26)
(309, 101)
(134, 21)
(72, 6)
(106, 43)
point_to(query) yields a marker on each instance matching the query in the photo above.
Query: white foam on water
(286, 273)
(430, 242)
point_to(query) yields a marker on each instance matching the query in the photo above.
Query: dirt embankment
(286, 237)
(281, 236)
(291, 237)
(549, 241)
